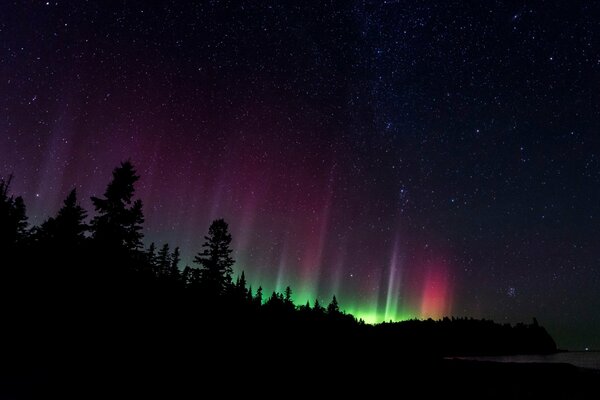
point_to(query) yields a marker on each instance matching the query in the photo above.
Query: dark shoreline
(507, 380)
(345, 375)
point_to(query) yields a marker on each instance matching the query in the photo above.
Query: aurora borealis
(415, 159)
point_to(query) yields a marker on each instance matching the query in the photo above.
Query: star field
(416, 159)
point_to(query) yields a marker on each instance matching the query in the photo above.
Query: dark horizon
(73, 270)
(74, 234)
(414, 159)
(82, 296)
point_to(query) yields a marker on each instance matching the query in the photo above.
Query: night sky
(415, 159)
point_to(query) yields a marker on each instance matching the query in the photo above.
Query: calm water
(582, 359)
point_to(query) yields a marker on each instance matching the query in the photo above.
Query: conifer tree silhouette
(317, 307)
(151, 258)
(241, 292)
(259, 296)
(287, 300)
(174, 267)
(68, 227)
(215, 260)
(241, 283)
(119, 220)
(13, 216)
(164, 261)
(333, 308)
(288, 295)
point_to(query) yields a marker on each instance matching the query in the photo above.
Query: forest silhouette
(79, 291)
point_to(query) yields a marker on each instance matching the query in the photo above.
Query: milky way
(416, 160)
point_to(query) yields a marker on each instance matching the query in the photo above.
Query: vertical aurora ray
(339, 261)
(283, 266)
(393, 286)
(316, 234)
(436, 291)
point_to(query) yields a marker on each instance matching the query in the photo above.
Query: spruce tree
(119, 218)
(333, 308)
(215, 260)
(68, 227)
(249, 295)
(241, 283)
(240, 288)
(287, 300)
(13, 217)
(151, 258)
(164, 261)
(174, 268)
(258, 297)
(317, 307)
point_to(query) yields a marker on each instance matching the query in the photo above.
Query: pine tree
(164, 260)
(13, 216)
(259, 297)
(151, 258)
(317, 307)
(241, 283)
(119, 220)
(68, 227)
(174, 268)
(19, 218)
(333, 307)
(215, 260)
(240, 288)
(288, 295)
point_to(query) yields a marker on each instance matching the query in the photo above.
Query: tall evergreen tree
(249, 295)
(164, 260)
(241, 283)
(175, 259)
(258, 297)
(333, 308)
(68, 227)
(240, 290)
(287, 300)
(215, 260)
(119, 220)
(317, 307)
(13, 216)
(151, 258)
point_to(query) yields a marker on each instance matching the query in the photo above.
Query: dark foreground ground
(122, 339)
(518, 380)
(134, 348)
(292, 374)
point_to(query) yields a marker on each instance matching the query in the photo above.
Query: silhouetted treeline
(77, 288)
(468, 336)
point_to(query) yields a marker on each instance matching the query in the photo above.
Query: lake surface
(582, 359)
